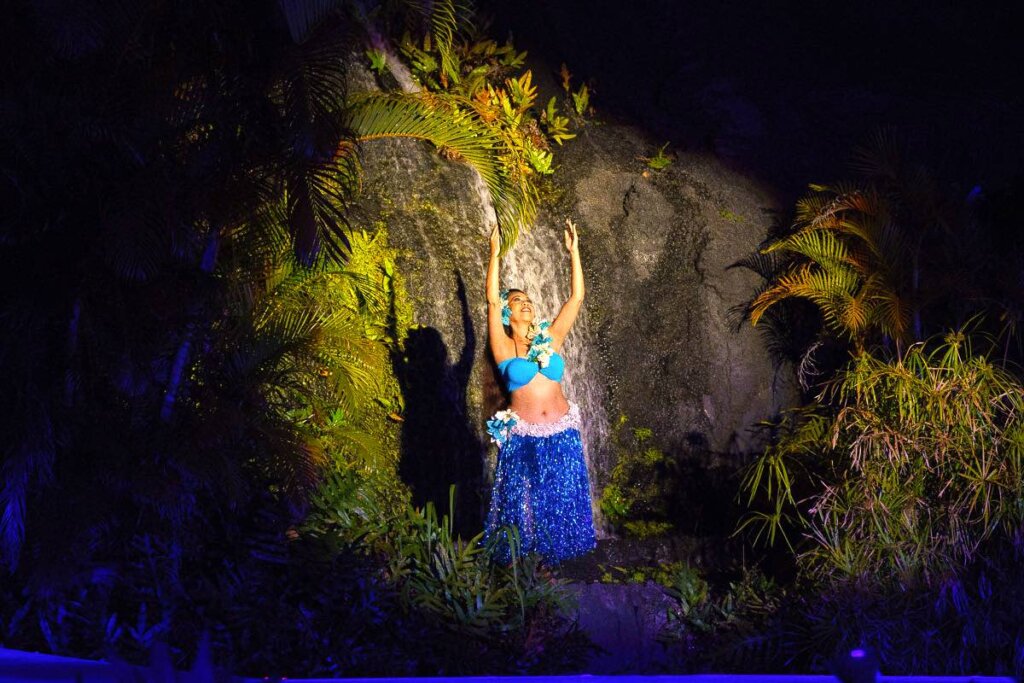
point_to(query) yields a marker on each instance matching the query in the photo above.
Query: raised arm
(496, 331)
(571, 308)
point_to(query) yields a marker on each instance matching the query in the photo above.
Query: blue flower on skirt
(500, 425)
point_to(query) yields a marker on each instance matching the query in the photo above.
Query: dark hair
(495, 396)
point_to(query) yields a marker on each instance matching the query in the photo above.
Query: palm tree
(900, 253)
(150, 151)
(847, 257)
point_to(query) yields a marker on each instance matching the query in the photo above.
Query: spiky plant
(451, 581)
(447, 19)
(903, 252)
(905, 469)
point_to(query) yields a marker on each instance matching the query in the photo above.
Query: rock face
(659, 249)
(656, 340)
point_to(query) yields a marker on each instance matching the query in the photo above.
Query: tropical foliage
(847, 257)
(514, 612)
(897, 488)
(638, 496)
(474, 89)
(149, 203)
(893, 257)
(459, 131)
(214, 338)
(660, 160)
(919, 461)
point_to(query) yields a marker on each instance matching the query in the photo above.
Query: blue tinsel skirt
(541, 488)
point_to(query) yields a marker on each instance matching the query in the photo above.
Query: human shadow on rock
(439, 446)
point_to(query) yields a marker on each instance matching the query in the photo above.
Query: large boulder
(658, 340)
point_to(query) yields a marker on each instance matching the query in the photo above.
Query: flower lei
(501, 425)
(540, 343)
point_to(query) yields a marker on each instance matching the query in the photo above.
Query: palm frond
(823, 247)
(855, 255)
(313, 75)
(765, 264)
(451, 122)
(893, 315)
(447, 19)
(882, 156)
(288, 457)
(316, 209)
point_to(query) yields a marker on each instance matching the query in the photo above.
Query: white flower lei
(541, 342)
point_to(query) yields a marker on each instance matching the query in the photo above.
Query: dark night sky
(817, 78)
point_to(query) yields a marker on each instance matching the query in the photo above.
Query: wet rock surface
(659, 246)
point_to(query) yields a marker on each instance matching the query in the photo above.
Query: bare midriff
(540, 401)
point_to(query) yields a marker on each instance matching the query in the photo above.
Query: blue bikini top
(518, 372)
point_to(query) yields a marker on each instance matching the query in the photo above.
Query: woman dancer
(541, 485)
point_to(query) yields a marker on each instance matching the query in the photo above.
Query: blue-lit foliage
(212, 338)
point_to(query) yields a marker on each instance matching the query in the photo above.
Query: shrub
(722, 627)
(920, 459)
(642, 484)
(511, 613)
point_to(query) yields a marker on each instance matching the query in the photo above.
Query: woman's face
(521, 307)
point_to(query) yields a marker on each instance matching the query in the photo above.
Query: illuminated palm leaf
(451, 122)
(849, 255)
(447, 19)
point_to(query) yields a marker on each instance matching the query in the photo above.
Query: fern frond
(317, 198)
(447, 20)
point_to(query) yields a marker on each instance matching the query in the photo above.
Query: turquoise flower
(501, 425)
(506, 312)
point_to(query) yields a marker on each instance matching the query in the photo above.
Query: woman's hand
(572, 240)
(495, 240)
